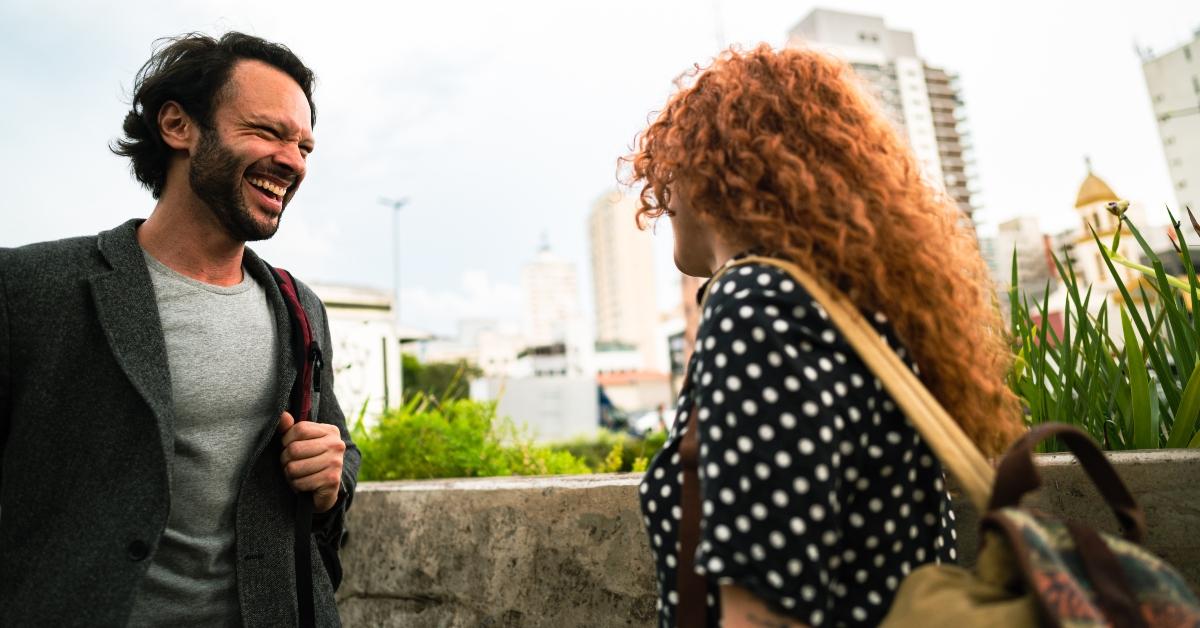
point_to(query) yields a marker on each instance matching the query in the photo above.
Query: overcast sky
(502, 121)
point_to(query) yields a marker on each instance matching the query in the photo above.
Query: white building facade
(923, 101)
(1173, 81)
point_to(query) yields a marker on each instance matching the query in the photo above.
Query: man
(149, 470)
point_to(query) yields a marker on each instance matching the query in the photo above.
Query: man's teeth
(268, 186)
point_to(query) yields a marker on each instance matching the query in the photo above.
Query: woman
(818, 497)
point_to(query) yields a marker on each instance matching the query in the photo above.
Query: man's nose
(290, 157)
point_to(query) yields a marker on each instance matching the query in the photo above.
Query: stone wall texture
(571, 551)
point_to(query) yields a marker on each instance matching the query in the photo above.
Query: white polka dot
(745, 311)
(742, 523)
(786, 285)
(800, 485)
(889, 526)
(828, 336)
(808, 592)
(816, 618)
(776, 539)
(715, 564)
(726, 324)
(762, 471)
(840, 389)
(720, 360)
(780, 325)
(811, 408)
(666, 525)
(826, 398)
(753, 371)
(712, 470)
(733, 383)
(764, 279)
(714, 432)
(893, 438)
(791, 351)
(806, 446)
(826, 434)
(791, 383)
(766, 433)
(769, 395)
(787, 420)
(774, 359)
(758, 511)
(731, 419)
(666, 490)
(875, 505)
(727, 496)
(779, 498)
(729, 287)
(718, 397)
(749, 407)
(782, 459)
(739, 347)
(676, 513)
(859, 614)
(816, 512)
(722, 532)
(821, 472)
(731, 457)
(794, 567)
(706, 379)
(671, 560)
(775, 579)
(710, 342)
(652, 505)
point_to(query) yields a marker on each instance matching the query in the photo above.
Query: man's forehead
(260, 92)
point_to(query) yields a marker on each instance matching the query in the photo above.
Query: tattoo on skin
(766, 622)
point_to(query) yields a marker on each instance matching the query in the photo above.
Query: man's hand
(312, 459)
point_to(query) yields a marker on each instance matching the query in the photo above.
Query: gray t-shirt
(221, 350)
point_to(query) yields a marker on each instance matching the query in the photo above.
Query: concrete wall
(571, 551)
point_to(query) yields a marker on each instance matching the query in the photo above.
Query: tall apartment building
(922, 100)
(551, 291)
(623, 277)
(1173, 80)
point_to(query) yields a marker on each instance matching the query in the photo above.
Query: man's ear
(177, 128)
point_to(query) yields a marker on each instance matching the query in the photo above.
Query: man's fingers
(298, 447)
(286, 422)
(298, 469)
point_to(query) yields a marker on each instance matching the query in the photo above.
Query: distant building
(551, 291)
(1173, 81)
(623, 276)
(922, 100)
(365, 349)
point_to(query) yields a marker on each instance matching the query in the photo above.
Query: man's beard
(215, 176)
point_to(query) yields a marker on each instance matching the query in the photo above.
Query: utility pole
(396, 205)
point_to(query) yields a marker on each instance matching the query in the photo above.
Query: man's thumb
(286, 422)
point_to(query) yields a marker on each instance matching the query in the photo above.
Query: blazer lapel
(128, 312)
(263, 274)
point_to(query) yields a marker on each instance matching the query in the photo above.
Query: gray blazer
(86, 431)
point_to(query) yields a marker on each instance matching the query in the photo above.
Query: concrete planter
(571, 551)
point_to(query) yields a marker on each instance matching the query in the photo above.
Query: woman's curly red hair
(783, 149)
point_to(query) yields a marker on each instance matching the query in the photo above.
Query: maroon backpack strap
(308, 354)
(308, 365)
(692, 587)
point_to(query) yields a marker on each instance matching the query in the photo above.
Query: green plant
(1136, 386)
(612, 452)
(444, 381)
(456, 438)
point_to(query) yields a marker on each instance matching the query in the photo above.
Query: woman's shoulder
(754, 284)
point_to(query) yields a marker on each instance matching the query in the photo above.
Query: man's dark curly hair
(192, 70)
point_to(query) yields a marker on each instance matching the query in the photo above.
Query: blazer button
(138, 550)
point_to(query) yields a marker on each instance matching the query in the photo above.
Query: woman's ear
(176, 127)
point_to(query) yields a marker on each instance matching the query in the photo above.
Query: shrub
(1130, 378)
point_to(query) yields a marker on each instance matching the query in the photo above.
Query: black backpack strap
(308, 366)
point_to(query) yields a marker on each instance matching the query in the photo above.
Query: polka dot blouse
(817, 495)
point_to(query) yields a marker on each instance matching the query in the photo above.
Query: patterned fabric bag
(1033, 569)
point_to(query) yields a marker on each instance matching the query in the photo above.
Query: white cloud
(477, 296)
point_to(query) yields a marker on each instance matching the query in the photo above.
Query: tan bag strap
(949, 443)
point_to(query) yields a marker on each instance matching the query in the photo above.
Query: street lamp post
(396, 205)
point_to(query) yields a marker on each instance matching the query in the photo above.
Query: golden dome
(1092, 190)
